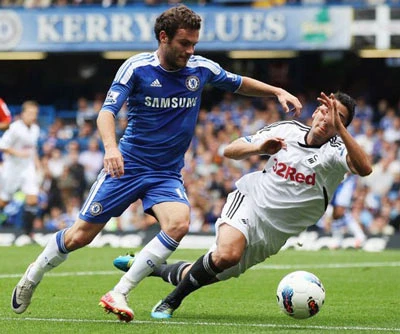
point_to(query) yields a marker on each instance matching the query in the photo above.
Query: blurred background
(64, 55)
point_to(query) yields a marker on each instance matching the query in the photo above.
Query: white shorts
(262, 239)
(12, 180)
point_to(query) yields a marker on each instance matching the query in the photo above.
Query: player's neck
(164, 64)
(312, 140)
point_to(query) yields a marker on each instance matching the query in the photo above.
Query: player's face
(29, 116)
(175, 53)
(323, 126)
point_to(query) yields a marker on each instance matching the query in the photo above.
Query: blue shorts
(110, 197)
(344, 192)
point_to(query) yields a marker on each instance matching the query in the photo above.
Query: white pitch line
(257, 267)
(215, 324)
(329, 266)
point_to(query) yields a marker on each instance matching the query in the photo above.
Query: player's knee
(177, 230)
(226, 258)
(77, 240)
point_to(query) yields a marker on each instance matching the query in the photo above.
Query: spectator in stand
(56, 163)
(86, 132)
(381, 179)
(357, 127)
(76, 170)
(92, 160)
(368, 139)
(392, 134)
(364, 111)
(85, 111)
(380, 111)
(387, 119)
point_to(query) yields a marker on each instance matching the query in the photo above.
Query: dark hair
(178, 17)
(349, 103)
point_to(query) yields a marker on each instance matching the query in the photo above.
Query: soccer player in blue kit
(163, 91)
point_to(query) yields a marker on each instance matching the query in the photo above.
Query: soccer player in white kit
(19, 172)
(292, 192)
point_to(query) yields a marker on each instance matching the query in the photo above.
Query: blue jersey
(162, 108)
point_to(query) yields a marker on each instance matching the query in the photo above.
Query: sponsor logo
(192, 83)
(170, 102)
(312, 160)
(290, 173)
(156, 83)
(111, 97)
(95, 209)
(15, 304)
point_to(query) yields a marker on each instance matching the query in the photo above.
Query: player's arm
(4, 125)
(242, 149)
(113, 161)
(15, 152)
(357, 160)
(7, 144)
(253, 87)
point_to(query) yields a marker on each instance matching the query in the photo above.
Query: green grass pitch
(362, 295)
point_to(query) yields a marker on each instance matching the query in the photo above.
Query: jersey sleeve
(6, 141)
(340, 158)
(219, 77)
(268, 131)
(120, 88)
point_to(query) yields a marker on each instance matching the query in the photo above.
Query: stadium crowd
(71, 155)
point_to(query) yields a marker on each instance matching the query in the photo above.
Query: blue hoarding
(131, 28)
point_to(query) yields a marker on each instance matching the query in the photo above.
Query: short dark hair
(349, 103)
(177, 17)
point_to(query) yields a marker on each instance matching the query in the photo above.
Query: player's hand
(113, 162)
(273, 145)
(331, 104)
(286, 99)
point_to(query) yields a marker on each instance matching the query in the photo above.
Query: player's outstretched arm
(240, 149)
(253, 87)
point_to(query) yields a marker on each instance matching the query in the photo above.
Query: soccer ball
(300, 294)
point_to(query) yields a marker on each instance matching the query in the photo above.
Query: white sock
(52, 255)
(152, 255)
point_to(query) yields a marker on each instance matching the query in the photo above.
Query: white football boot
(22, 293)
(115, 302)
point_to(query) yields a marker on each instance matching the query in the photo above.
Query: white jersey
(18, 172)
(296, 185)
(22, 138)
